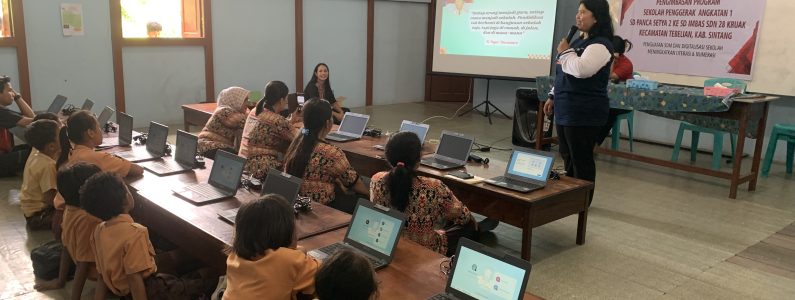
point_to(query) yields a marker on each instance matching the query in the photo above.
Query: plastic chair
(717, 146)
(784, 132)
(616, 131)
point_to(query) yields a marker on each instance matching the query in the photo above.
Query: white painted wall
(8, 67)
(399, 52)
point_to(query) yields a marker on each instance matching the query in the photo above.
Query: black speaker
(524, 118)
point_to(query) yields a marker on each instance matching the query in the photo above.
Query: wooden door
(447, 88)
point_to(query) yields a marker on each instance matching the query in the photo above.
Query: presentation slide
(483, 277)
(374, 229)
(530, 165)
(498, 38)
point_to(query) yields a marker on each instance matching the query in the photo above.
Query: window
(5, 24)
(162, 18)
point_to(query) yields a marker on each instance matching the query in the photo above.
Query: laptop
(57, 104)
(276, 182)
(528, 170)
(155, 145)
(223, 182)
(87, 105)
(421, 130)
(351, 128)
(374, 232)
(453, 151)
(125, 128)
(105, 115)
(480, 272)
(184, 159)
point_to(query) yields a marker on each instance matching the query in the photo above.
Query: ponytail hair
(316, 114)
(621, 45)
(77, 125)
(274, 91)
(403, 152)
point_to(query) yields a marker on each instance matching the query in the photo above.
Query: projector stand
(486, 112)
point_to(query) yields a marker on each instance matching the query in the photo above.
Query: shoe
(488, 224)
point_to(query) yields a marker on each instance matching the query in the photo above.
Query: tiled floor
(652, 232)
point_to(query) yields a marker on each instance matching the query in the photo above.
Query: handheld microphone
(572, 32)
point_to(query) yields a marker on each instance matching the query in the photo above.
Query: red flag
(744, 58)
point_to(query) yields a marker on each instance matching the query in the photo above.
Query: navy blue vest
(583, 101)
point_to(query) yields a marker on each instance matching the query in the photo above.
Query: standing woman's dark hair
(403, 152)
(311, 89)
(621, 45)
(346, 275)
(601, 12)
(264, 224)
(274, 91)
(75, 131)
(316, 116)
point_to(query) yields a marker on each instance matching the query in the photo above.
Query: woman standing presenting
(579, 98)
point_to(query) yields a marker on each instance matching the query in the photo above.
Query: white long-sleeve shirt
(593, 58)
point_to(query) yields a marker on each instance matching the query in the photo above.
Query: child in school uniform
(38, 180)
(225, 126)
(78, 226)
(346, 275)
(264, 261)
(327, 173)
(83, 130)
(125, 257)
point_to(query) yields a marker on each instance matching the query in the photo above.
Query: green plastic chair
(717, 146)
(784, 132)
(616, 131)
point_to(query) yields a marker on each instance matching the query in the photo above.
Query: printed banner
(712, 38)
(72, 19)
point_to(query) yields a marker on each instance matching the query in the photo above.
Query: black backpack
(46, 260)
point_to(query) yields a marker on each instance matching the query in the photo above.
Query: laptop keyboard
(337, 136)
(440, 297)
(438, 162)
(333, 248)
(206, 190)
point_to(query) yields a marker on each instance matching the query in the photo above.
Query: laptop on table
(223, 182)
(421, 130)
(105, 115)
(453, 151)
(155, 145)
(480, 272)
(276, 182)
(351, 128)
(374, 232)
(87, 105)
(528, 170)
(184, 159)
(56, 105)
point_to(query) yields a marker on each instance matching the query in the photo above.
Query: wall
(8, 67)
(399, 52)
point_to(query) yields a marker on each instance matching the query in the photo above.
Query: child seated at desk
(267, 134)
(38, 181)
(125, 257)
(78, 226)
(328, 176)
(429, 204)
(225, 126)
(264, 261)
(346, 275)
(82, 129)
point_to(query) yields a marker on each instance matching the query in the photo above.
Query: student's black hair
(621, 45)
(403, 152)
(71, 178)
(75, 130)
(41, 133)
(601, 13)
(329, 94)
(345, 275)
(274, 91)
(103, 195)
(47, 116)
(267, 223)
(316, 113)
(4, 80)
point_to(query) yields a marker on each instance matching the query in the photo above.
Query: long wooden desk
(196, 114)
(561, 198)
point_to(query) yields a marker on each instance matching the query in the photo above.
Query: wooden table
(197, 114)
(414, 273)
(560, 199)
(743, 111)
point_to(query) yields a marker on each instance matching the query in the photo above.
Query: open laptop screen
(416, 128)
(57, 104)
(353, 123)
(453, 146)
(227, 169)
(282, 184)
(484, 277)
(125, 128)
(374, 229)
(105, 115)
(186, 148)
(156, 139)
(530, 165)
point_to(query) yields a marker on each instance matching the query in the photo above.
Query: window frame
(18, 40)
